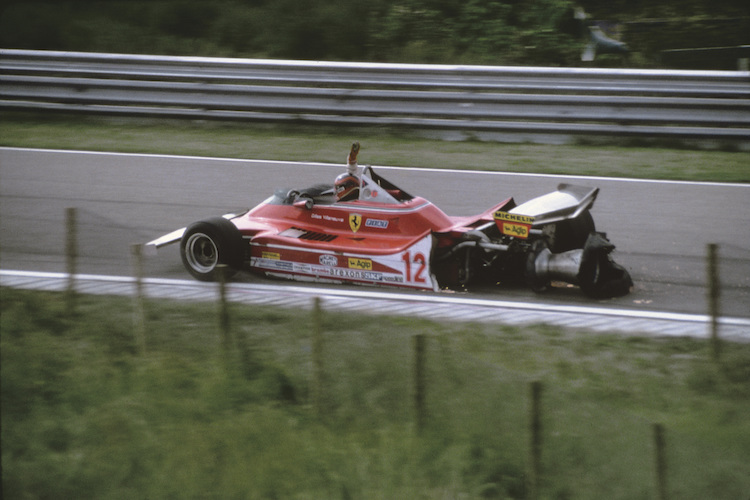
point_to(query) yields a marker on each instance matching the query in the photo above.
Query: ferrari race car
(386, 236)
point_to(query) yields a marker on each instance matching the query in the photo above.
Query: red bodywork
(358, 241)
(388, 237)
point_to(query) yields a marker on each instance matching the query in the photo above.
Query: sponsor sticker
(380, 224)
(283, 265)
(271, 255)
(357, 263)
(328, 260)
(514, 225)
(517, 230)
(302, 268)
(271, 263)
(356, 274)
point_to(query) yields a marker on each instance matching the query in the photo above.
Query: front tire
(209, 243)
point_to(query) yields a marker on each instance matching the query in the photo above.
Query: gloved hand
(352, 158)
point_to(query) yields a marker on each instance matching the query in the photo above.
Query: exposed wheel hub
(201, 252)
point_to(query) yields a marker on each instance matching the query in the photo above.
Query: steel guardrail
(689, 105)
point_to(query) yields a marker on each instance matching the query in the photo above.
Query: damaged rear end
(547, 239)
(570, 249)
(590, 267)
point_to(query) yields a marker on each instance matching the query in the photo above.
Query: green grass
(85, 415)
(379, 147)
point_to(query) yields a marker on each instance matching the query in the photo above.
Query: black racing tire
(572, 233)
(208, 243)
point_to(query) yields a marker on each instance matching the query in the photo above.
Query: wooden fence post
(139, 315)
(660, 462)
(535, 444)
(221, 273)
(71, 256)
(419, 382)
(317, 353)
(713, 299)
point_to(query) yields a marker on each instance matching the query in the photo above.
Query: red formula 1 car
(385, 236)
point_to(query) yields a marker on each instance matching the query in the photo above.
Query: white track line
(427, 305)
(383, 167)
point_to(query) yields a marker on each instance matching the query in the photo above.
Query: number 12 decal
(421, 266)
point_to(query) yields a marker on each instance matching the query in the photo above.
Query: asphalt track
(661, 228)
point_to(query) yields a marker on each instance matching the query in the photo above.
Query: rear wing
(568, 202)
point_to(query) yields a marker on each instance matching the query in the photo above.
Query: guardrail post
(139, 315)
(714, 292)
(71, 256)
(535, 443)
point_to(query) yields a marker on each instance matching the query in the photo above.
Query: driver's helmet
(346, 187)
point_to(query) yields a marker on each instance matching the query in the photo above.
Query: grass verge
(380, 147)
(85, 415)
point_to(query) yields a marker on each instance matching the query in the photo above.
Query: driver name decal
(326, 217)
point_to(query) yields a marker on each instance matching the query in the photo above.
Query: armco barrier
(522, 103)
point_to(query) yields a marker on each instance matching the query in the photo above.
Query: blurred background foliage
(512, 32)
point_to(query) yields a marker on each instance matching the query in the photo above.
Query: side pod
(591, 268)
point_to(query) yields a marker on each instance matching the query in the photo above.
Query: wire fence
(528, 421)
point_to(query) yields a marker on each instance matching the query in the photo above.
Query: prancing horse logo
(355, 221)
